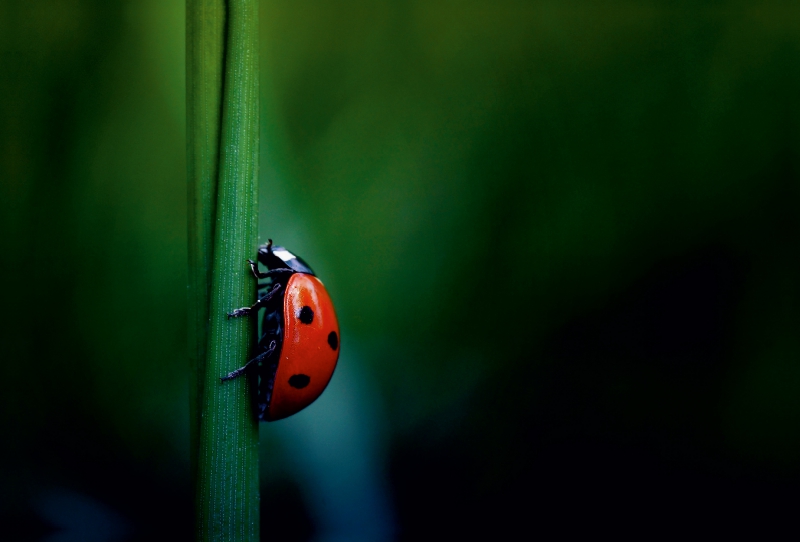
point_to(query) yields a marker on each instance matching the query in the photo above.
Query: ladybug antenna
(269, 246)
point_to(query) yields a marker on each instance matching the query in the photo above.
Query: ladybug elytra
(298, 342)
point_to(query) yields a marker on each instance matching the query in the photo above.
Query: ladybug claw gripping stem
(253, 362)
(247, 311)
(254, 269)
(244, 311)
(259, 275)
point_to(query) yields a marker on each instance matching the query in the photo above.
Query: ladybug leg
(259, 275)
(247, 311)
(253, 362)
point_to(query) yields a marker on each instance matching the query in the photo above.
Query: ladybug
(298, 340)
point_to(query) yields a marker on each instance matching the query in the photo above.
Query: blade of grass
(227, 500)
(205, 50)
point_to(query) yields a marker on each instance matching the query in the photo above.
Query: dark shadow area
(618, 430)
(284, 515)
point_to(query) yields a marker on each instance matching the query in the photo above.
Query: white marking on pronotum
(285, 255)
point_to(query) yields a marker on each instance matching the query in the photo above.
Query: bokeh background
(561, 237)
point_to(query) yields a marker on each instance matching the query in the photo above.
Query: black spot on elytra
(299, 381)
(306, 315)
(333, 340)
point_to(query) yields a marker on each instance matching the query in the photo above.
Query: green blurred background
(561, 238)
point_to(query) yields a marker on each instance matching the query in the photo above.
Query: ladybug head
(277, 257)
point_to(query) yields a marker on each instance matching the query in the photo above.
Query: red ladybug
(298, 345)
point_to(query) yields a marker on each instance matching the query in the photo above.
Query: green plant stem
(205, 49)
(226, 482)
